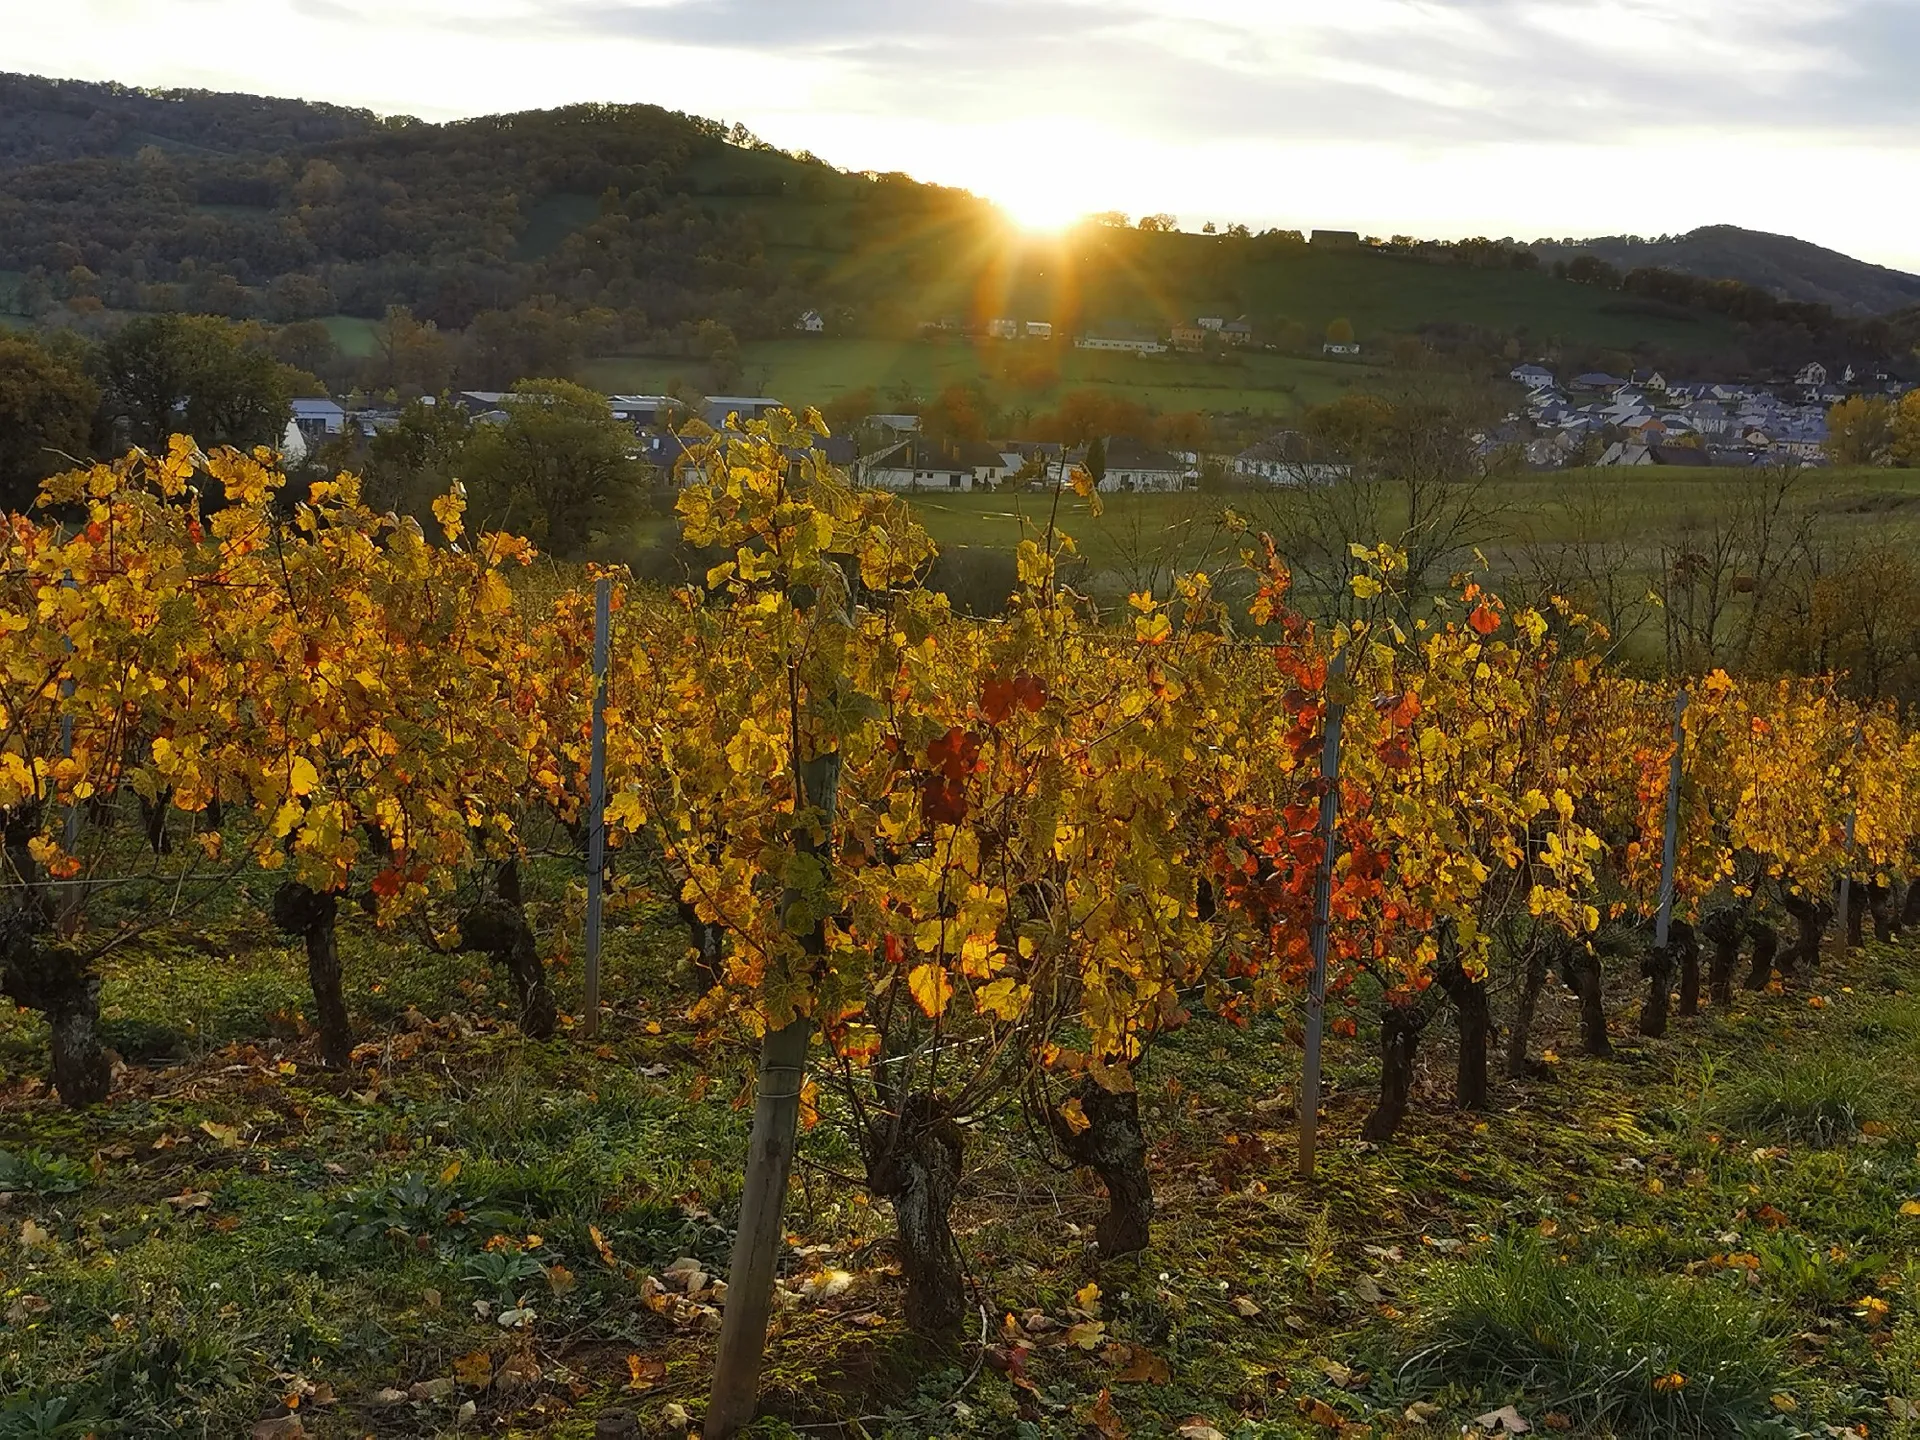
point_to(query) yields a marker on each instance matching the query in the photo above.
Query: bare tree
(1719, 573)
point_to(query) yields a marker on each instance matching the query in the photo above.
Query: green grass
(353, 334)
(1820, 1099)
(1557, 1253)
(1628, 1354)
(816, 371)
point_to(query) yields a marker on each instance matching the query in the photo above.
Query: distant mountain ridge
(1790, 268)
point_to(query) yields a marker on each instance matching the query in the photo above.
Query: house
(1534, 377)
(1039, 329)
(1335, 239)
(644, 412)
(317, 419)
(1811, 374)
(1237, 332)
(1211, 322)
(898, 424)
(1286, 458)
(1596, 380)
(482, 402)
(1131, 344)
(1332, 349)
(747, 407)
(917, 464)
(1003, 329)
(1132, 466)
(1189, 337)
(1624, 453)
(813, 323)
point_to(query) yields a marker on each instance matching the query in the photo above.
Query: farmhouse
(1132, 466)
(317, 419)
(923, 464)
(1285, 458)
(1335, 239)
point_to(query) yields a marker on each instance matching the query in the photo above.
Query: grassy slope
(815, 371)
(188, 1277)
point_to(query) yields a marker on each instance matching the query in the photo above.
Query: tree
(1860, 431)
(1906, 430)
(411, 463)
(558, 466)
(1097, 459)
(1159, 224)
(191, 373)
(46, 413)
(409, 354)
(1340, 332)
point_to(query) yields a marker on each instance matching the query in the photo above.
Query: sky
(1436, 118)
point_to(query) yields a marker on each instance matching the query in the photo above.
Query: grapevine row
(989, 865)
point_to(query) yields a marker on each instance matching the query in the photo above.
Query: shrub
(1637, 1357)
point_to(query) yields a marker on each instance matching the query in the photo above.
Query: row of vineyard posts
(943, 872)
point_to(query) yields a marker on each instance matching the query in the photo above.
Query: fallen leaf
(388, 1396)
(278, 1427)
(1139, 1366)
(1554, 1420)
(644, 1372)
(1421, 1412)
(1785, 1404)
(1322, 1413)
(228, 1136)
(474, 1370)
(1506, 1419)
(1197, 1429)
(1087, 1335)
(1087, 1297)
(600, 1244)
(191, 1200)
(560, 1279)
(26, 1307)
(1245, 1306)
(1076, 1116)
(33, 1235)
(1103, 1419)
(655, 1072)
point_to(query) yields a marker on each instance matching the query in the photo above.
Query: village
(1645, 419)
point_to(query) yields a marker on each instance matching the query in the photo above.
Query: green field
(816, 371)
(352, 334)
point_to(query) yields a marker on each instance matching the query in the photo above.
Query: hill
(1780, 264)
(662, 245)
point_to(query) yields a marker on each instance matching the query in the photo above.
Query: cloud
(1434, 71)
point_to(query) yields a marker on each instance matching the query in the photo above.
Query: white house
(1135, 346)
(1004, 329)
(1534, 377)
(1332, 349)
(317, 419)
(917, 464)
(1039, 329)
(1813, 373)
(1286, 458)
(1131, 466)
(813, 323)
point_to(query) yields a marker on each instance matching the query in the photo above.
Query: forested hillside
(633, 226)
(1791, 268)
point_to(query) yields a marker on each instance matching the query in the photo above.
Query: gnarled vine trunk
(1686, 944)
(1400, 1027)
(1766, 945)
(707, 942)
(1468, 996)
(302, 911)
(1880, 906)
(496, 925)
(1581, 970)
(1722, 929)
(1810, 919)
(1910, 905)
(41, 972)
(1114, 1147)
(1538, 963)
(913, 1161)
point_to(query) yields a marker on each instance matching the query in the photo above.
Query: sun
(1037, 206)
